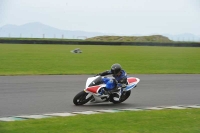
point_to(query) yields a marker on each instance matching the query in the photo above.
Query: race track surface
(25, 95)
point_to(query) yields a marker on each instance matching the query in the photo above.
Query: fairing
(132, 82)
(93, 84)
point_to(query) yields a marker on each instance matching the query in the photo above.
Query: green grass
(57, 59)
(164, 121)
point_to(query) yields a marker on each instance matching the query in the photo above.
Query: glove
(99, 74)
(124, 80)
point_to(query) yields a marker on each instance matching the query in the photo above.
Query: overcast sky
(126, 17)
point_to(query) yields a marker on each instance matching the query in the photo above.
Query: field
(17, 59)
(164, 121)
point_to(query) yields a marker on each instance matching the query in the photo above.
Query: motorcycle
(94, 85)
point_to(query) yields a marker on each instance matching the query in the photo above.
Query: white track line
(25, 117)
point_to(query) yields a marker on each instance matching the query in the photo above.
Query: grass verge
(163, 121)
(57, 59)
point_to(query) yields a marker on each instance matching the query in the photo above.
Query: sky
(127, 17)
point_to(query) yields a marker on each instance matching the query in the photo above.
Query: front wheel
(81, 98)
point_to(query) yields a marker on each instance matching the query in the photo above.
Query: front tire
(81, 98)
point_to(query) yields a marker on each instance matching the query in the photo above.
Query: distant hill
(39, 30)
(153, 38)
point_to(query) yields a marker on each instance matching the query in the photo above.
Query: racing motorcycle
(94, 86)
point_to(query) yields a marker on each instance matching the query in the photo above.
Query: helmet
(116, 68)
(111, 84)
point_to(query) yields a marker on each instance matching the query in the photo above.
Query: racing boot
(117, 95)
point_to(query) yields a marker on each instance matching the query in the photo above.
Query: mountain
(39, 30)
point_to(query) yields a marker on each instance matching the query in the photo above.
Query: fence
(82, 42)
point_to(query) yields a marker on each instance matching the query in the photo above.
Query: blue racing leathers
(112, 84)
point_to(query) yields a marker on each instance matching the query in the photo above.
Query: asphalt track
(29, 95)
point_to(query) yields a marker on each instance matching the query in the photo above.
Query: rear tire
(125, 95)
(80, 98)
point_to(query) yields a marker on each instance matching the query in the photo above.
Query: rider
(113, 84)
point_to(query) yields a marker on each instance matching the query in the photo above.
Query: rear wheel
(125, 95)
(81, 98)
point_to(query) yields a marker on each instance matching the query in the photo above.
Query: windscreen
(97, 81)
